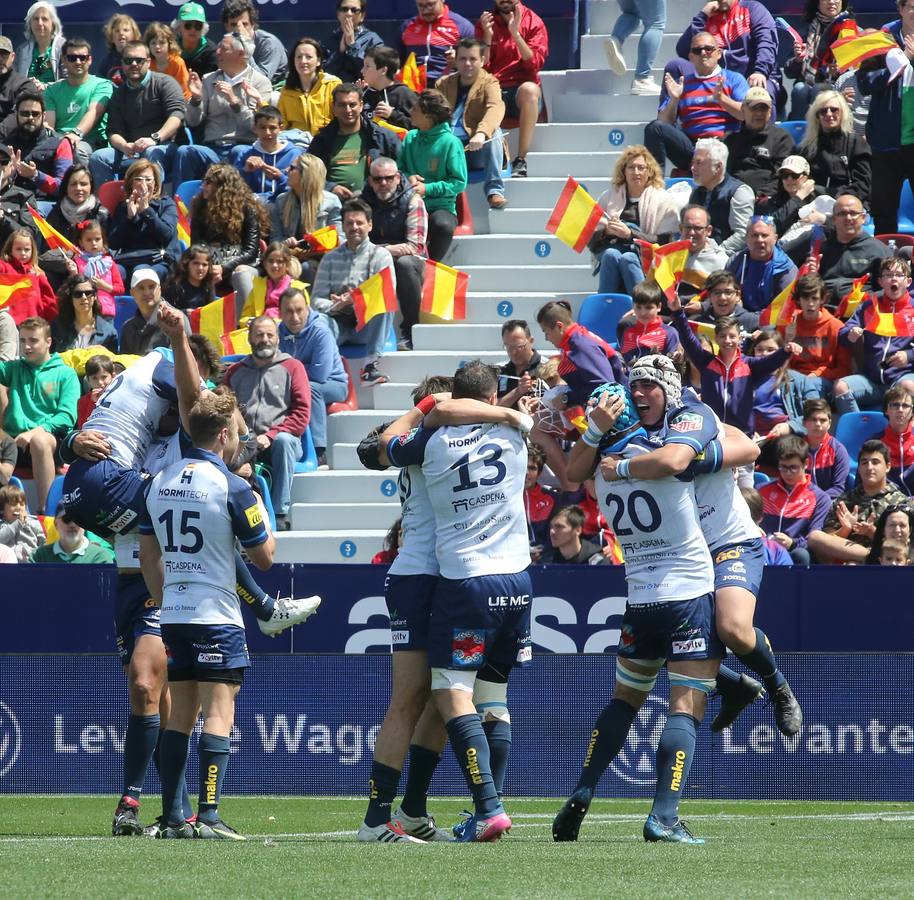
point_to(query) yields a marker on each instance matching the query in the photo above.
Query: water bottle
(892, 247)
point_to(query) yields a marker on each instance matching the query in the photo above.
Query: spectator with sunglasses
(79, 321)
(191, 28)
(76, 106)
(42, 157)
(72, 545)
(345, 49)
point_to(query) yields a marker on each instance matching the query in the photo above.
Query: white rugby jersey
(129, 411)
(417, 555)
(166, 451)
(475, 478)
(656, 523)
(196, 508)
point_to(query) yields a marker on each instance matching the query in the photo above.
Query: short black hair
(513, 324)
(385, 59)
(234, 8)
(71, 43)
(30, 96)
(432, 384)
(789, 446)
(874, 445)
(645, 292)
(573, 513)
(267, 112)
(356, 204)
(346, 87)
(475, 381)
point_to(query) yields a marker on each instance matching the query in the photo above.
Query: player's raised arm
(601, 418)
(471, 412)
(187, 375)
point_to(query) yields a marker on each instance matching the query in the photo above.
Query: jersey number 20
(614, 501)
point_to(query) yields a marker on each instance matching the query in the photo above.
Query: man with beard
(41, 155)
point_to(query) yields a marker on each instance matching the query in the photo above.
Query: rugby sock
(186, 808)
(251, 592)
(726, 679)
(606, 740)
(214, 757)
(139, 747)
(173, 749)
(472, 752)
(498, 737)
(382, 788)
(761, 661)
(422, 765)
(674, 760)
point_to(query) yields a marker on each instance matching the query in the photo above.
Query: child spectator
(165, 55)
(775, 554)
(385, 98)
(898, 436)
(793, 506)
(539, 502)
(722, 296)
(119, 31)
(777, 407)
(822, 359)
(649, 334)
(96, 262)
(99, 373)
(393, 540)
(567, 545)
(72, 545)
(281, 270)
(264, 165)
(894, 553)
(192, 282)
(19, 531)
(829, 463)
(19, 256)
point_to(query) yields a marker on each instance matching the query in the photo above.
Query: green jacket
(438, 156)
(91, 554)
(40, 395)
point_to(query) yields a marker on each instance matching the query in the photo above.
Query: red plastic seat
(351, 402)
(110, 194)
(464, 216)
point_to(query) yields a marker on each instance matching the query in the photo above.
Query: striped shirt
(699, 114)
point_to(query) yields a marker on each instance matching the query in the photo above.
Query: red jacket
(505, 62)
(901, 447)
(38, 299)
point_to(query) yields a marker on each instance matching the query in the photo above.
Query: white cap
(144, 274)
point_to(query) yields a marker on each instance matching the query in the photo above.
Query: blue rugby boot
(677, 833)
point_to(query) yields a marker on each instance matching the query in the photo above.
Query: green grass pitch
(305, 847)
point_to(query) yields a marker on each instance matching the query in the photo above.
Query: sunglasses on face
(29, 113)
(77, 57)
(84, 293)
(135, 60)
(192, 26)
(703, 50)
(829, 111)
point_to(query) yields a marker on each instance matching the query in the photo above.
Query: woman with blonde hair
(165, 53)
(38, 56)
(837, 157)
(227, 217)
(119, 31)
(636, 206)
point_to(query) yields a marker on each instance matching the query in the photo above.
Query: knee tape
(705, 685)
(638, 681)
(453, 679)
(491, 699)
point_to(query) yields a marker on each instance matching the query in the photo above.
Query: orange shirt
(177, 68)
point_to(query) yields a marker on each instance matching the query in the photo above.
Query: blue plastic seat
(675, 179)
(600, 313)
(267, 499)
(906, 210)
(760, 479)
(308, 462)
(855, 428)
(233, 358)
(55, 495)
(188, 190)
(357, 351)
(124, 310)
(796, 129)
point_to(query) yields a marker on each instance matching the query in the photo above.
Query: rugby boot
(677, 833)
(567, 823)
(127, 818)
(485, 831)
(734, 700)
(787, 713)
(389, 833)
(287, 612)
(422, 827)
(216, 831)
(184, 831)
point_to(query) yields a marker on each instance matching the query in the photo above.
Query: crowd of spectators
(286, 144)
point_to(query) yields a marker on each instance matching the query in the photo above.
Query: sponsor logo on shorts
(71, 498)
(252, 513)
(467, 648)
(525, 654)
(724, 555)
(738, 568)
(695, 645)
(687, 422)
(627, 637)
(399, 637)
(209, 657)
(120, 524)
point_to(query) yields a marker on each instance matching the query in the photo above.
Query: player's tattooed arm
(151, 566)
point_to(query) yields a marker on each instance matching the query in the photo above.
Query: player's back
(656, 522)
(193, 506)
(417, 554)
(129, 411)
(475, 477)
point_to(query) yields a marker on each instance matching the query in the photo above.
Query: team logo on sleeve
(467, 648)
(252, 513)
(686, 422)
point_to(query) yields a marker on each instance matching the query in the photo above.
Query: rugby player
(408, 591)
(481, 605)
(683, 426)
(669, 616)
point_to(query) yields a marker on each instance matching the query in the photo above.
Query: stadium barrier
(308, 713)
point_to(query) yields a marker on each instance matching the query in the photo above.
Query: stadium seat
(187, 191)
(357, 351)
(600, 313)
(267, 499)
(906, 210)
(464, 216)
(308, 462)
(351, 402)
(233, 358)
(796, 128)
(855, 428)
(124, 310)
(55, 494)
(760, 479)
(901, 240)
(110, 194)
(676, 179)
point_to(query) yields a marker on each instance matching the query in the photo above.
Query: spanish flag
(780, 312)
(183, 222)
(667, 265)
(444, 292)
(898, 321)
(215, 319)
(853, 298)
(12, 289)
(53, 238)
(374, 297)
(851, 51)
(396, 129)
(234, 342)
(575, 217)
(413, 75)
(323, 240)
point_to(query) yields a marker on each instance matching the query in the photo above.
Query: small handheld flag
(413, 75)
(215, 319)
(575, 217)
(444, 291)
(373, 297)
(54, 239)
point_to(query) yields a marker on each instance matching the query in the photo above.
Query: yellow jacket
(311, 111)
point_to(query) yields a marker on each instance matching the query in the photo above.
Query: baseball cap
(796, 164)
(6, 44)
(144, 274)
(191, 12)
(757, 95)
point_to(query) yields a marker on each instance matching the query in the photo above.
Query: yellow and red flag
(667, 265)
(183, 222)
(234, 342)
(323, 240)
(413, 75)
(13, 289)
(780, 312)
(575, 217)
(215, 319)
(444, 291)
(373, 297)
(54, 239)
(396, 129)
(851, 51)
(895, 322)
(853, 298)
